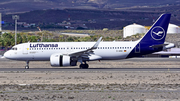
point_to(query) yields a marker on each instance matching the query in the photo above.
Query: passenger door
(25, 49)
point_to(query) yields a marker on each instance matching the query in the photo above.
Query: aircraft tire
(26, 67)
(86, 66)
(83, 66)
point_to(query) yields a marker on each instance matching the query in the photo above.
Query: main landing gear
(84, 66)
(27, 65)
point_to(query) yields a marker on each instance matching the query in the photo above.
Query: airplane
(62, 54)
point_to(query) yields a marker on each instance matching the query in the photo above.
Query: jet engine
(59, 60)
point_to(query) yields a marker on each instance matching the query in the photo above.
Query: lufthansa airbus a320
(69, 53)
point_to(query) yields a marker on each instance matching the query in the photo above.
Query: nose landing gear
(27, 65)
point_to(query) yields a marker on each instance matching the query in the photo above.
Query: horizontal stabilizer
(158, 46)
(165, 46)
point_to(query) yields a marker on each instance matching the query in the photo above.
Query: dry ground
(92, 85)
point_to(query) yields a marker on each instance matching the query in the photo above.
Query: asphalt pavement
(96, 69)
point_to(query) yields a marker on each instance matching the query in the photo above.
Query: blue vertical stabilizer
(155, 36)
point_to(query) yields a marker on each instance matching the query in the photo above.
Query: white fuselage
(34, 52)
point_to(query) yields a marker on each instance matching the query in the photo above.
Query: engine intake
(59, 60)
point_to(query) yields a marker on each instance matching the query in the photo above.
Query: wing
(86, 53)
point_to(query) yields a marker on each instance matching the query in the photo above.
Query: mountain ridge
(14, 6)
(93, 19)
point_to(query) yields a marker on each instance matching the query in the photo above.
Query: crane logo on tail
(157, 33)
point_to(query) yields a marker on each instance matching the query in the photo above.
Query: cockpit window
(14, 48)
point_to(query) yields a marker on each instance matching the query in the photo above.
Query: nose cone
(7, 55)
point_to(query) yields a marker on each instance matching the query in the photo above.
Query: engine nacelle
(59, 60)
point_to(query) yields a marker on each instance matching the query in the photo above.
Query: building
(133, 29)
(173, 29)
